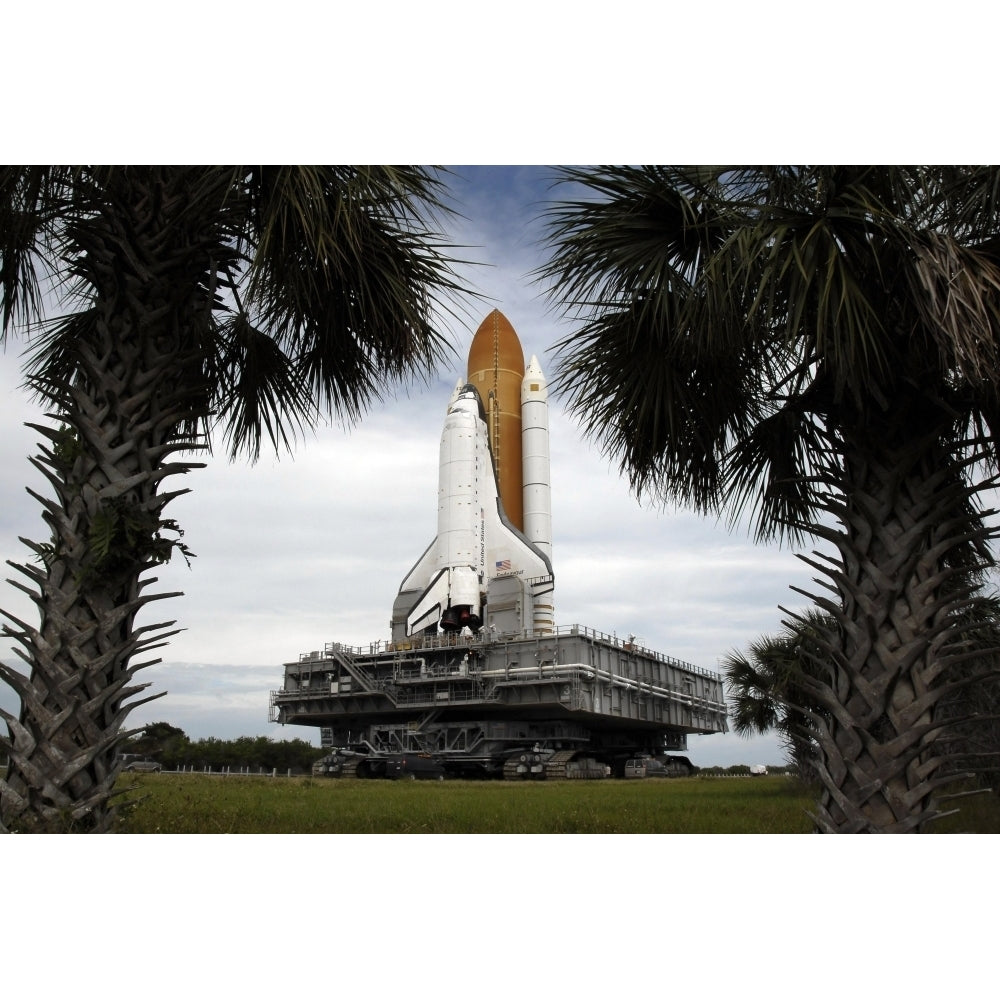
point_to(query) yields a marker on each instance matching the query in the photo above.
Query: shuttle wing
(431, 604)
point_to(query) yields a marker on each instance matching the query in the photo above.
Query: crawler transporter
(571, 703)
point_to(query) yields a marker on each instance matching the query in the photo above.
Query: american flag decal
(503, 564)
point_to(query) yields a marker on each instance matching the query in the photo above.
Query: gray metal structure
(571, 702)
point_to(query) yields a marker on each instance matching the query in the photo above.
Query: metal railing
(451, 640)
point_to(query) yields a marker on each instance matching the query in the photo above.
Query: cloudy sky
(298, 551)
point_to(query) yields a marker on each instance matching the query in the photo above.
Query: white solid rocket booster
(537, 491)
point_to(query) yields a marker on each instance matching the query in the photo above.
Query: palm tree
(249, 299)
(815, 348)
(766, 690)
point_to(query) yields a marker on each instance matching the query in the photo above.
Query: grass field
(197, 803)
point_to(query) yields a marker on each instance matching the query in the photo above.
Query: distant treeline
(171, 747)
(745, 769)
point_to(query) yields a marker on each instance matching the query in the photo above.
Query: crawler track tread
(350, 768)
(556, 765)
(510, 770)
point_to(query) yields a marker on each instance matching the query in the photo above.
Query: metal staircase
(339, 655)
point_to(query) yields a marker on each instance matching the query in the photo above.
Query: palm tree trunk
(127, 403)
(896, 607)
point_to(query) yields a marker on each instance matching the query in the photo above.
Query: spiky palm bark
(901, 582)
(136, 385)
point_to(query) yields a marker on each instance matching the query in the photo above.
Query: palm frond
(646, 237)
(667, 411)
(663, 396)
(347, 275)
(53, 360)
(771, 472)
(755, 709)
(956, 293)
(257, 390)
(33, 211)
(885, 280)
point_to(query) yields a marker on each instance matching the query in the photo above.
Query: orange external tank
(496, 369)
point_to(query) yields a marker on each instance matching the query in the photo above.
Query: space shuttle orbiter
(490, 563)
